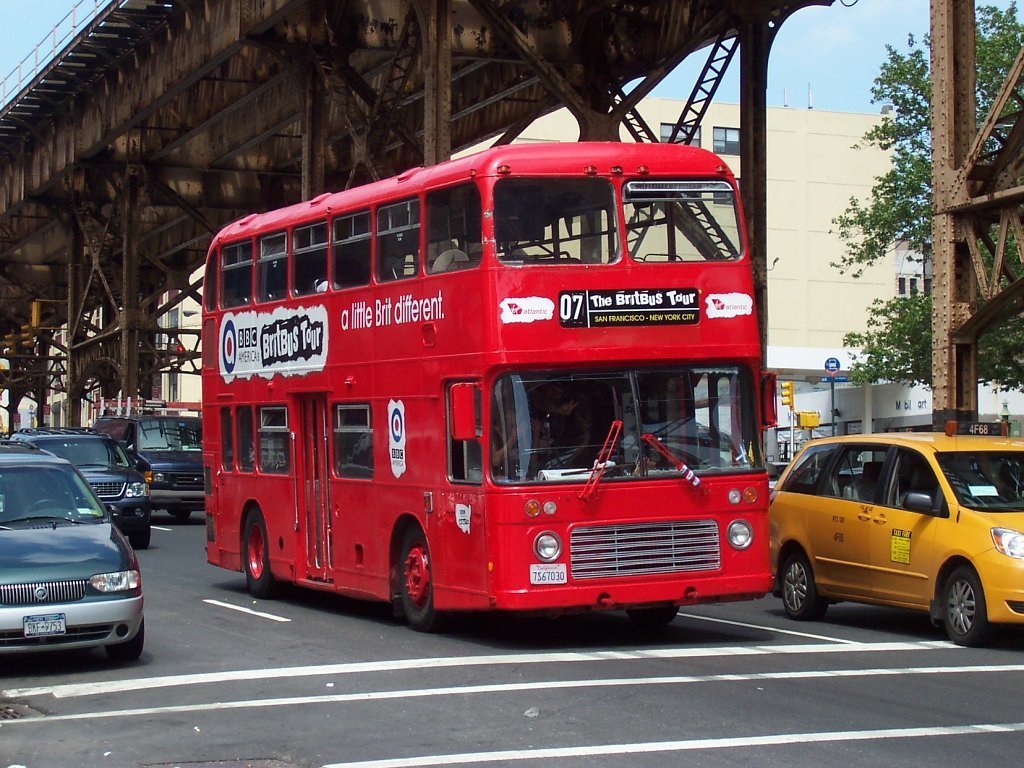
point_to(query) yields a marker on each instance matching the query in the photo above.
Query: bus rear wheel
(416, 586)
(256, 558)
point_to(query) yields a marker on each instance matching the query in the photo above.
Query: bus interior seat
(450, 259)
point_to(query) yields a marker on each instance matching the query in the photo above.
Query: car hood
(180, 461)
(111, 474)
(65, 552)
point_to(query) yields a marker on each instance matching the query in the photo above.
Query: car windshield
(31, 495)
(989, 480)
(87, 452)
(166, 433)
(549, 427)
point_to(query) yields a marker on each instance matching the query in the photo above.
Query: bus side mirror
(464, 413)
(769, 413)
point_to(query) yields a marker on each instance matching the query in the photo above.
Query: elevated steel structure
(163, 120)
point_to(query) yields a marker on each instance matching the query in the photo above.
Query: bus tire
(416, 584)
(256, 558)
(655, 617)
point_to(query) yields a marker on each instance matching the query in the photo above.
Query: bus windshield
(563, 221)
(672, 221)
(548, 427)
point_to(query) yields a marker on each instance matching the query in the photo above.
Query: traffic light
(808, 419)
(787, 393)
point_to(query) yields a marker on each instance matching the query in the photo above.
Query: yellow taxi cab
(928, 521)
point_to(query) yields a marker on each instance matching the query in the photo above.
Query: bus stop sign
(832, 366)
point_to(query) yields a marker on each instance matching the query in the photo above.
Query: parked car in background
(108, 470)
(68, 577)
(926, 521)
(169, 452)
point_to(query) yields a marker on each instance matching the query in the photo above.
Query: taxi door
(902, 539)
(839, 529)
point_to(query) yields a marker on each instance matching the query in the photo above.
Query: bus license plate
(548, 573)
(45, 625)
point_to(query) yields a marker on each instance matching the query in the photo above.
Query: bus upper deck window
(673, 221)
(555, 221)
(309, 259)
(236, 274)
(398, 240)
(351, 247)
(273, 274)
(454, 239)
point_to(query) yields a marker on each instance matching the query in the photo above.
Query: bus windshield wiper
(687, 473)
(603, 460)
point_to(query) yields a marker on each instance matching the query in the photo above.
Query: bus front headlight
(740, 534)
(547, 546)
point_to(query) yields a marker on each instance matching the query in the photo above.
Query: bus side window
(353, 441)
(398, 240)
(210, 284)
(275, 452)
(227, 444)
(273, 272)
(236, 274)
(309, 259)
(246, 444)
(351, 247)
(453, 234)
(465, 456)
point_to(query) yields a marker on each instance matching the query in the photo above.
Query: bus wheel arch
(255, 550)
(412, 576)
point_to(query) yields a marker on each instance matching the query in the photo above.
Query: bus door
(313, 487)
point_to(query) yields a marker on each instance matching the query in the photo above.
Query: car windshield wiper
(55, 518)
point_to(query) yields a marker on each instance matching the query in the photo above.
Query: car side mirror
(918, 501)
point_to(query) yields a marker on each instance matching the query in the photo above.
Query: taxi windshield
(989, 480)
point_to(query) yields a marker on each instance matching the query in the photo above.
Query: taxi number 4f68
(548, 573)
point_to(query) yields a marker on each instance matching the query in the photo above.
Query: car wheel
(180, 515)
(965, 613)
(130, 650)
(141, 539)
(652, 618)
(256, 558)
(416, 584)
(799, 592)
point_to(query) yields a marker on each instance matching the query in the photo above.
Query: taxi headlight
(1009, 542)
(547, 546)
(740, 534)
(119, 581)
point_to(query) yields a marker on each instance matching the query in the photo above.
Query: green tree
(897, 343)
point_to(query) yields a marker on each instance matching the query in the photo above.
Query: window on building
(275, 455)
(666, 135)
(901, 286)
(398, 240)
(726, 141)
(913, 286)
(309, 259)
(353, 441)
(272, 275)
(352, 250)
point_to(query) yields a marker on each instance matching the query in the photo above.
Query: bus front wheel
(416, 587)
(256, 557)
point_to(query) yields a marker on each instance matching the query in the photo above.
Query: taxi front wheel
(799, 592)
(964, 611)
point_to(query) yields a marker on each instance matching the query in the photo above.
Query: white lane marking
(687, 745)
(249, 611)
(773, 630)
(394, 665)
(540, 685)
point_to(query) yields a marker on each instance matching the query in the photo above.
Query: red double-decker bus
(525, 380)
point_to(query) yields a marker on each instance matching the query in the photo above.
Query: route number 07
(570, 307)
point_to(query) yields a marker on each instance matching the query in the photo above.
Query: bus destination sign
(634, 306)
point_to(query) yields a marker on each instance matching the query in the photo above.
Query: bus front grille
(634, 549)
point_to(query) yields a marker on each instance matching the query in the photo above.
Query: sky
(824, 57)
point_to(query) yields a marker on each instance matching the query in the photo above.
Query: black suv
(112, 475)
(169, 450)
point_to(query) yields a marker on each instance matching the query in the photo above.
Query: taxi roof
(938, 442)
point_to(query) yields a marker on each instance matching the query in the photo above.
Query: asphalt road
(315, 680)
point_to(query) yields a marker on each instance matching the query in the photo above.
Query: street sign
(832, 365)
(839, 379)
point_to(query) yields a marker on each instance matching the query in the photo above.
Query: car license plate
(45, 625)
(548, 573)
